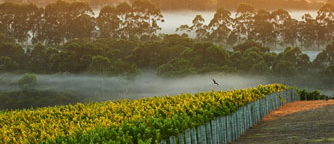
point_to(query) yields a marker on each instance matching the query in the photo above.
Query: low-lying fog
(146, 84)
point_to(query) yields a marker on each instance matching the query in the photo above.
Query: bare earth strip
(300, 122)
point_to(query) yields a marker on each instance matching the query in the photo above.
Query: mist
(147, 84)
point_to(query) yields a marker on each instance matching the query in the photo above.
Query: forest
(57, 23)
(124, 40)
(171, 56)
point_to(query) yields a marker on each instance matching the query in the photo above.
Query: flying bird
(214, 82)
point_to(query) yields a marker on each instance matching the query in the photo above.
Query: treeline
(171, 55)
(276, 28)
(60, 22)
(35, 99)
(198, 4)
(28, 97)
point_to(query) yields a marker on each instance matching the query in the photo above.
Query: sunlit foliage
(148, 119)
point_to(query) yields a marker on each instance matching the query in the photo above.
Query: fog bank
(147, 84)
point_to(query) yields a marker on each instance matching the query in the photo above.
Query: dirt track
(294, 123)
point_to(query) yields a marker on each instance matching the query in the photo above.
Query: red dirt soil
(300, 106)
(300, 122)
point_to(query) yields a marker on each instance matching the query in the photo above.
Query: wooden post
(208, 133)
(233, 126)
(282, 94)
(236, 124)
(163, 142)
(261, 107)
(172, 140)
(239, 123)
(187, 135)
(253, 113)
(203, 135)
(289, 95)
(214, 131)
(228, 129)
(275, 101)
(244, 120)
(181, 139)
(223, 134)
(219, 130)
(250, 118)
(193, 136)
(199, 134)
(271, 104)
(258, 111)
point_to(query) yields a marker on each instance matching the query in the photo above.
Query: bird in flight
(214, 82)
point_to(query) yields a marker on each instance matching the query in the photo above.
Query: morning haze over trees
(124, 39)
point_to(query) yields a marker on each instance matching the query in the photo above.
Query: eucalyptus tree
(40, 59)
(279, 19)
(100, 65)
(54, 23)
(7, 18)
(35, 20)
(63, 21)
(244, 21)
(290, 32)
(220, 26)
(80, 21)
(15, 52)
(325, 58)
(325, 19)
(263, 27)
(7, 64)
(294, 58)
(198, 27)
(327, 75)
(308, 33)
(108, 22)
(124, 21)
(145, 19)
(18, 20)
(19, 27)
